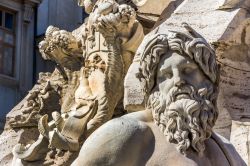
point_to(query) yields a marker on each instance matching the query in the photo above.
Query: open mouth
(183, 95)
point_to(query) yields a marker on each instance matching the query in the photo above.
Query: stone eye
(188, 70)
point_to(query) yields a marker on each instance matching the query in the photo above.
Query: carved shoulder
(111, 144)
(228, 150)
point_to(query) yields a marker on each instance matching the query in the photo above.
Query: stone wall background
(234, 99)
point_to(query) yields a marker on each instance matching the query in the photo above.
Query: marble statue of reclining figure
(180, 76)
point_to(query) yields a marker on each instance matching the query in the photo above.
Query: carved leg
(68, 138)
(34, 152)
(60, 142)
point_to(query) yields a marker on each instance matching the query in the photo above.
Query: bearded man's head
(181, 79)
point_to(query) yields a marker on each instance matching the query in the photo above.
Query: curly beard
(185, 116)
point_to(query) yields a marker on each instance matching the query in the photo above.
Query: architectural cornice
(29, 9)
(34, 2)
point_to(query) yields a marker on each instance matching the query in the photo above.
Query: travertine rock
(240, 137)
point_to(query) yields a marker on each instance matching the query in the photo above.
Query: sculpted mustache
(186, 89)
(158, 101)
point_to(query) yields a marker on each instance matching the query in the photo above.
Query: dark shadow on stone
(28, 135)
(167, 12)
(150, 148)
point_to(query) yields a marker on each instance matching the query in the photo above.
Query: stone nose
(178, 80)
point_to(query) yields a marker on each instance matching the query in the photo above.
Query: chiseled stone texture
(240, 137)
(228, 30)
(133, 94)
(9, 138)
(233, 55)
(87, 84)
(205, 17)
(180, 75)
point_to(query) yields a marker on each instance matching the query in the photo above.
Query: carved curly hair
(186, 44)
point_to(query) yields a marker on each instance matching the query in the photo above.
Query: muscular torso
(166, 154)
(134, 140)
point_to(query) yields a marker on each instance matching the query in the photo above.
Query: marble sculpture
(78, 108)
(179, 74)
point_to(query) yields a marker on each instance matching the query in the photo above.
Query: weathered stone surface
(87, 87)
(133, 94)
(227, 31)
(226, 26)
(240, 138)
(212, 23)
(233, 56)
(197, 16)
(9, 138)
(179, 77)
